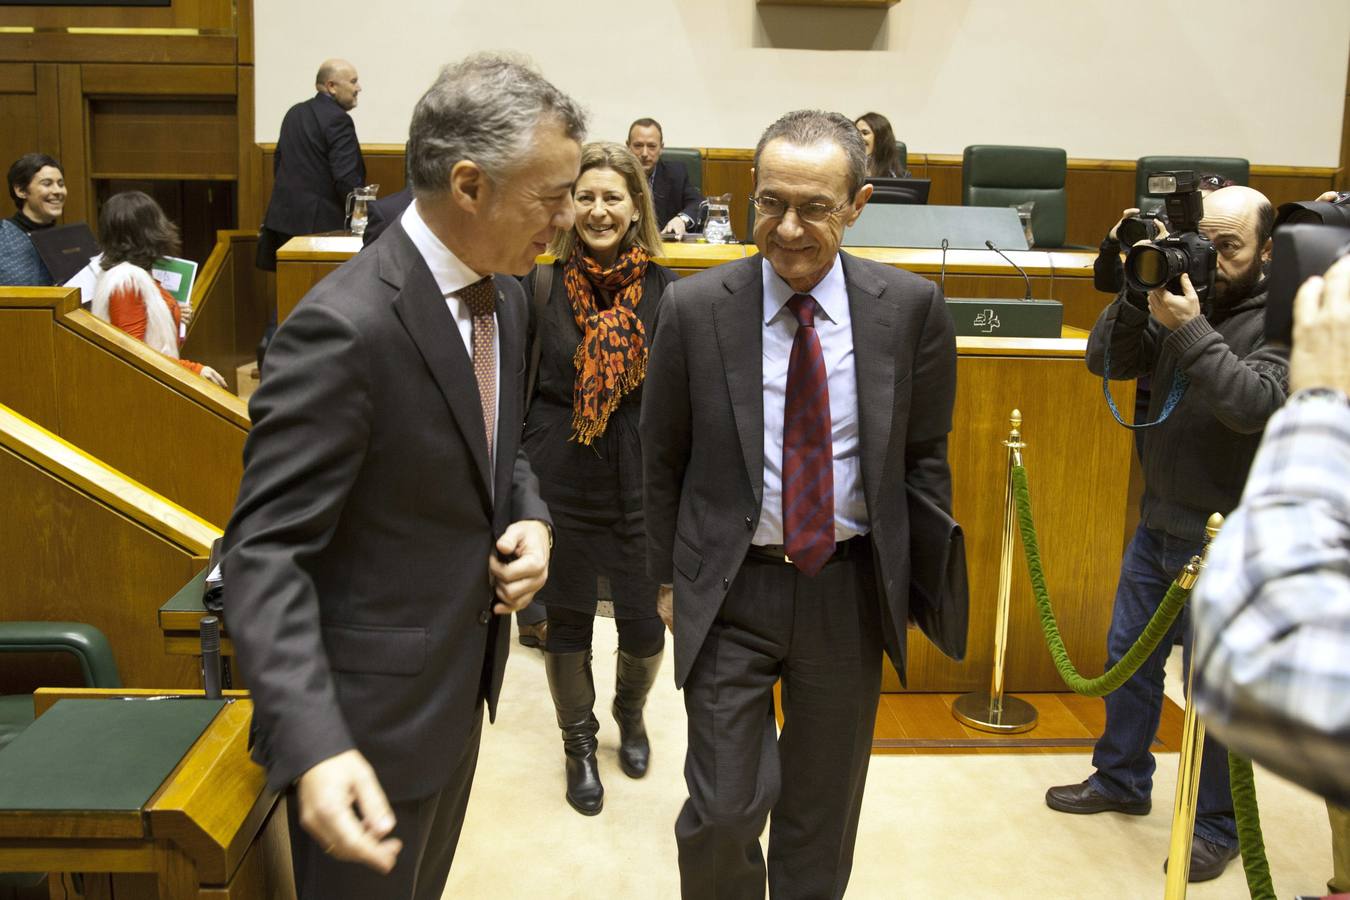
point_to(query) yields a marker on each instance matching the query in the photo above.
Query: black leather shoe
(1083, 799)
(1208, 859)
(535, 635)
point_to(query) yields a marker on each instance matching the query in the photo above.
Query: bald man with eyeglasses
(797, 403)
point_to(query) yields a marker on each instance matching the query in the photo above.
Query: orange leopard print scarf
(611, 359)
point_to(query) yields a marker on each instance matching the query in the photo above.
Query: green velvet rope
(1243, 786)
(1126, 666)
(1254, 863)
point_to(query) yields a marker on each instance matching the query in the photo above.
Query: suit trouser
(429, 828)
(822, 637)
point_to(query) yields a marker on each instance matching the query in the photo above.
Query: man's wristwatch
(1319, 395)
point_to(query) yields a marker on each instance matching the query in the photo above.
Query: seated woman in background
(581, 434)
(134, 233)
(883, 156)
(38, 188)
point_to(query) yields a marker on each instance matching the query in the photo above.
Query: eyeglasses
(1214, 182)
(773, 208)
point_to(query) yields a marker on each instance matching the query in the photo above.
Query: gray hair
(808, 127)
(485, 108)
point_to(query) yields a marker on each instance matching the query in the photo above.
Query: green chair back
(1233, 167)
(998, 175)
(692, 161)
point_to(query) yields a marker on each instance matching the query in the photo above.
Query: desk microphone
(210, 630)
(942, 283)
(1020, 271)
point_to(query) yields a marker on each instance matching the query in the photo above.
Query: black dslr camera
(1143, 227)
(1183, 252)
(1301, 251)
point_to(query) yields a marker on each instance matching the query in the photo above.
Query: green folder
(100, 755)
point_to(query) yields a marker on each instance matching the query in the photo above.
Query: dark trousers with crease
(429, 828)
(822, 637)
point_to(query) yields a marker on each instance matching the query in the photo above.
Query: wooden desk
(211, 830)
(1078, 464)
(1062, 275)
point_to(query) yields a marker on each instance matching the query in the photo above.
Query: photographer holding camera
(1273, 607)
(1191, 315)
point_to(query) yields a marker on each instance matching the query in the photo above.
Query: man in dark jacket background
(317, 164)
(1195, 463)
(675, 199)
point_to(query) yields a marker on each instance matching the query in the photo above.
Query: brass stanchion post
(991, 710)
(1192, 746)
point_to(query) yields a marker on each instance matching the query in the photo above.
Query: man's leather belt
(854, 547)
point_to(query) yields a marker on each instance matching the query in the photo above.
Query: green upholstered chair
(902, 157)
(1231, 167)
(85, 642)
(997, 175)
(98, 668)
(692, 161)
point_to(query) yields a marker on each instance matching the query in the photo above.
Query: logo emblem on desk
(987, 321)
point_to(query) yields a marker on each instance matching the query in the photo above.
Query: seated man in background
(1273, 608)
(675, 199)
(1195, 458)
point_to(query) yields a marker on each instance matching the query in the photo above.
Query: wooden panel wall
(154, 431)
(117, 400)
(69, 555)
(170, 104)
(230, 311)
(1079, 495)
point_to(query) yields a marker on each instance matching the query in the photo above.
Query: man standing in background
(317, 163)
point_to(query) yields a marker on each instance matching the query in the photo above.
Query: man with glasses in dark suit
(793, 400)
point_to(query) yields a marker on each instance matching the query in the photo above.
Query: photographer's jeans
(1123, 756)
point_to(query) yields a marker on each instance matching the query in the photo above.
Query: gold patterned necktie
(481, 298)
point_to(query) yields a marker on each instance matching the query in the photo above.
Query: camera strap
(1179, 382)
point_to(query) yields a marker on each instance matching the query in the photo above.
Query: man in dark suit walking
(674, 198)
(317, 163)
(386, 500)
(792, 400)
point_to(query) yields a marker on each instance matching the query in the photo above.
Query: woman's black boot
(573, 688)
(633, 681)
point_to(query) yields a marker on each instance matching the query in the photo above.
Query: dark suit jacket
(357, 588)
(672, 193)
(318, 163)
(382, 212)
(703, 432)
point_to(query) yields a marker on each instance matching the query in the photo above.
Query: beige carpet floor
(932, 826)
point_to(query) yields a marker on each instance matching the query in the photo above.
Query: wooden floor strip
(1067, 723)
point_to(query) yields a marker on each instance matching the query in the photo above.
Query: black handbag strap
(543, 286)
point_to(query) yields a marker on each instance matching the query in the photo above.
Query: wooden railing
(80, 541)
(230, 306)
(115, 398)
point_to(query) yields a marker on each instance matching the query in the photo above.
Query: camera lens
(1149, 266)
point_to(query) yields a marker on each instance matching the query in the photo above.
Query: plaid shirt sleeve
(1272, 609)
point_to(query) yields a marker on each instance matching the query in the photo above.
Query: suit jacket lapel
(738, 319)
(426, 317)
(874, 318)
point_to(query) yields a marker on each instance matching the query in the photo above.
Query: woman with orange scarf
(581, 434)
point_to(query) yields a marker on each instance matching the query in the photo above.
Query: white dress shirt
(834, 327)
(452, 275)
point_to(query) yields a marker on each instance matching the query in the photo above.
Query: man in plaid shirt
(1272, 610)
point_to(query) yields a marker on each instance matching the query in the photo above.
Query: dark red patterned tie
(481, 298)
(808, 452)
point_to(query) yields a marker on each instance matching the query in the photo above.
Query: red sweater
(127, 312)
